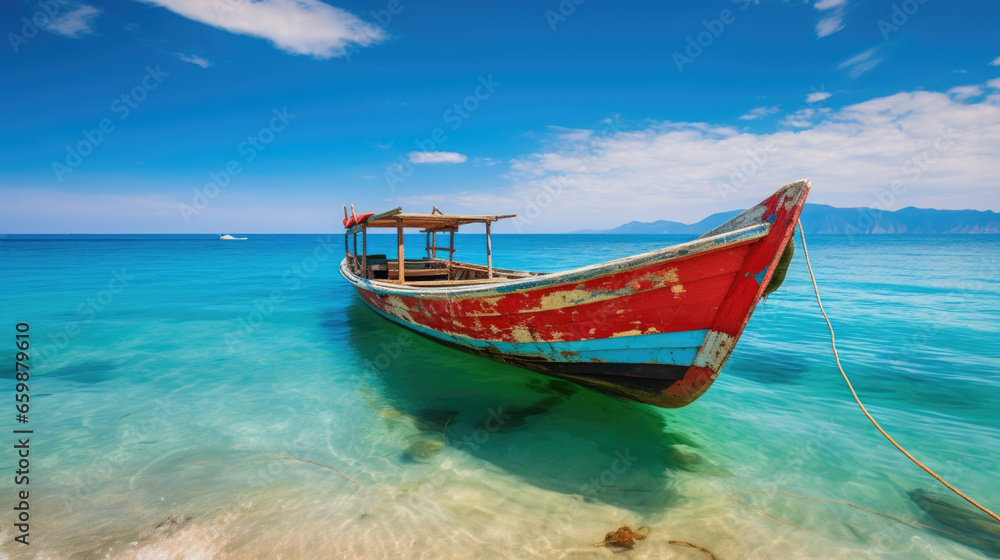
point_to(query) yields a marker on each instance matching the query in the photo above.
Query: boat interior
(433, 269)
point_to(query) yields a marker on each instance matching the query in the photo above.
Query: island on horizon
(822, 218)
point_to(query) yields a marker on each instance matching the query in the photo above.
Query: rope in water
(736, 497)
(836, 356)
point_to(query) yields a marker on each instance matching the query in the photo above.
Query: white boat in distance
(227, 237)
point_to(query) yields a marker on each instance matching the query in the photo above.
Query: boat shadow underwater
(550, 433)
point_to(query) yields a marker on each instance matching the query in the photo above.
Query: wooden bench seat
(416, 270)
(421, 272)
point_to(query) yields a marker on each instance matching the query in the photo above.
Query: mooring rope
(836, 357)
(916, 524)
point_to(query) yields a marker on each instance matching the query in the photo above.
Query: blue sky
(268, 116)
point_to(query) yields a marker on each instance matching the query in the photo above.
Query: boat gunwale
(692, 248)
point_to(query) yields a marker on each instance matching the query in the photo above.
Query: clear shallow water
(165, 421)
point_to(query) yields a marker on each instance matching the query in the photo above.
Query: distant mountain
(665, 226)
(820, 218)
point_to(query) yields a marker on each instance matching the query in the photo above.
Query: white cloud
(827, 4)
(861, 63)
(995, 61)
(194, 59)
(297, 26)
(759, 113)
(962, 93)
(994, 83)
(833, 22)
(78, 22)
(817, 96)
(863, 67)
(830, 25)
(803, 118)
(943, 151)
(436, 157)
(857, 58)
(571, 134)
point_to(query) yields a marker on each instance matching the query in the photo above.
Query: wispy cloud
(829, 25)
(673, 170)
(466, 200)
(962, 93)
(79, 21)
(833, 21)
(861, 63)
(436, 157)
(995, 61)
(760, 113)
(297, 26)
(857, 58)
(804, 118)
(194, 59)
(817, 96)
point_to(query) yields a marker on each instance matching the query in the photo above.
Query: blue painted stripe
(676, 348)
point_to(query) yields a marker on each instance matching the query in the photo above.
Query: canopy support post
(451, 252)
(489, 253)
(355, 267)
(399, 242)
(364, 252)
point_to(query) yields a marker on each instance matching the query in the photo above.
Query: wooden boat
(654, 328)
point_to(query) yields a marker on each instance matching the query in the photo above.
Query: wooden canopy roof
(428, 222)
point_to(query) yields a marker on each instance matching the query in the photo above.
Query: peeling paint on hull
(654, 328)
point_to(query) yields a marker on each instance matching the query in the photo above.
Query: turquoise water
(235, 399)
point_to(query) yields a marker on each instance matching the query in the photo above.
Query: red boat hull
(655, 328)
